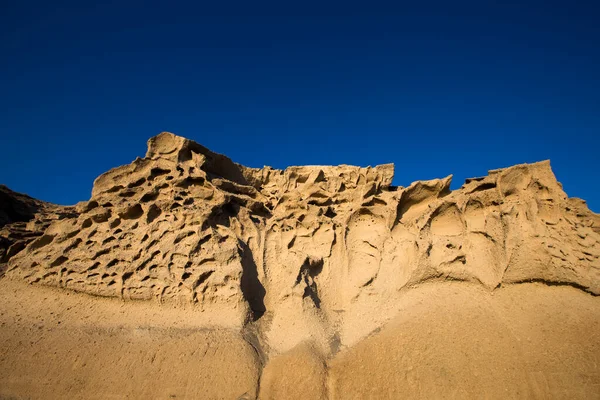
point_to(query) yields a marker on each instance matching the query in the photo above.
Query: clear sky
(437, 88)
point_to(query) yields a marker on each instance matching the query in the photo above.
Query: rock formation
(22, 219)
(314, 256)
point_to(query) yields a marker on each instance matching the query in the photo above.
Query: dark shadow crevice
(252, 288)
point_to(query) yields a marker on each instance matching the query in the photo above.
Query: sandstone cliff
(309, 259)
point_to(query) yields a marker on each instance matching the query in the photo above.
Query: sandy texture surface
(56, 345)
(187, 275)
(457, 341)
(452, 340)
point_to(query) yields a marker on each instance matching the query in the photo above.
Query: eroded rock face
(22, 219)
(319, 252)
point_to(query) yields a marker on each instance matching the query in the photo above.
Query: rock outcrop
(312, 244)
(22, 219)
(313, 256)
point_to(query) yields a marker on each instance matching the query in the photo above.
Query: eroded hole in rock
(153, 213)
(133, 212)
(221, 215)
(321, 202)
(237, 201)
(112, 263)
(137, 183)
(155, 172)
(101, 217)
(187, 182)
(330, 213)
(115, 189)
(100, 253)
(184, 155)
(417, 196)
(90, 206)
(302, 178)
(320, 177)
(13, 250)
(151, 196)
(201, 242)
(41, 242)
(311, 291)
(291, 243)
(202, 278)
(484, 186)
(73, 245)
(127, 193)
(309, 270)
(59, 261)
(182, 236)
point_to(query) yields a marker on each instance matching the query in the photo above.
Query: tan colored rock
(23, 219)
(450, 341)
(300, 374)
(58, 345)
(315, 254)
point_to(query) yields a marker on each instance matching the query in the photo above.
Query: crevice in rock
(251, 286)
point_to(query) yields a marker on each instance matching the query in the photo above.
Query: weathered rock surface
(22, 219)
(319, 257)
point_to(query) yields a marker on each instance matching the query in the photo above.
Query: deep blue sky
(440, 88)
